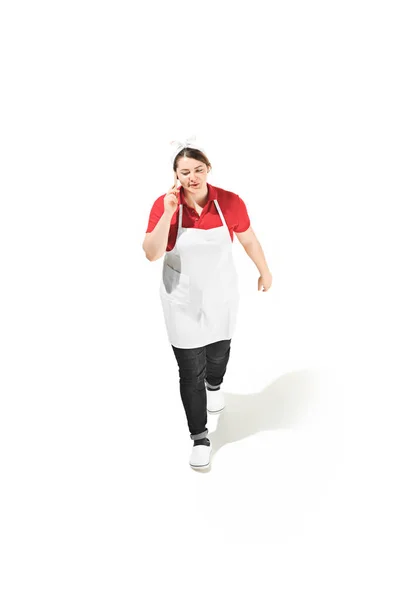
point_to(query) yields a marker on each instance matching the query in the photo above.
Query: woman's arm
(156, 241)
(253, 249)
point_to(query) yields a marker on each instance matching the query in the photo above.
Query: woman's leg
(217, 357)
(192, 370)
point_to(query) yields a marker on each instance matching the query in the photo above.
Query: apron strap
(180, 218)
(221, 215)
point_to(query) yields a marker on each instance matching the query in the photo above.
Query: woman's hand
(171, 198)
(265, 281)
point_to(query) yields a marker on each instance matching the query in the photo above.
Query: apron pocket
(175, 285)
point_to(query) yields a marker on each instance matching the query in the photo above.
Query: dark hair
(191, 153)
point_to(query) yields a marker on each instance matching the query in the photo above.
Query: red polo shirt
(232, 206)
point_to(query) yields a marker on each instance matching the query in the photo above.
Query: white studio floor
(301, 493)
(296, 105)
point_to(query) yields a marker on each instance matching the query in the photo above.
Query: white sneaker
(215, 401)
(200, 456)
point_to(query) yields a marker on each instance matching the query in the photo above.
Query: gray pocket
(175, 285)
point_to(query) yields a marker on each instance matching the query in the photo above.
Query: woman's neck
(200, 197)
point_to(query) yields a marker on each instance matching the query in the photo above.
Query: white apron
(199, 286)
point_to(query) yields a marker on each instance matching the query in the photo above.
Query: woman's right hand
(171, 199)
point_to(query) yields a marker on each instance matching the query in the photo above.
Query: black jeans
(199, 367)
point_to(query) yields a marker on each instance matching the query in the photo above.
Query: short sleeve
(156, 213)
(242, 216)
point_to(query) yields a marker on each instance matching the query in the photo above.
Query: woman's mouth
(194, 184)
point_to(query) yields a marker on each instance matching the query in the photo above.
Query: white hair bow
(190, 142)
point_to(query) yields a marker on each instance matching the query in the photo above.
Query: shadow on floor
(285, 403)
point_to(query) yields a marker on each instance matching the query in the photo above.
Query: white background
(296, 105)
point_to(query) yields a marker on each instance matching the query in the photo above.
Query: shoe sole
(199, 466)
(215, 412)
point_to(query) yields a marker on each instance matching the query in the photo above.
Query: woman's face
(192, 174)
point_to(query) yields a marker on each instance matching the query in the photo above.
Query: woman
(192, 227)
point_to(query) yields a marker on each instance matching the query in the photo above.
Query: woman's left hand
(265, 281)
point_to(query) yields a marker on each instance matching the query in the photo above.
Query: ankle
(202, 442)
